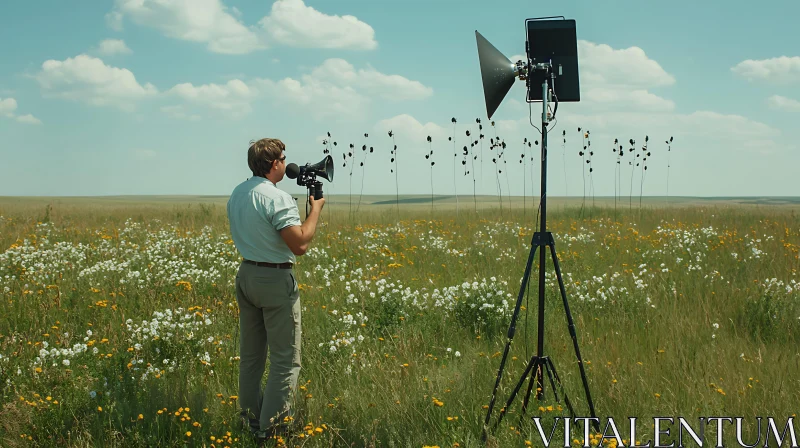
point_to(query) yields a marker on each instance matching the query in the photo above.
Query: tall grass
(632, 149)
(394, 159)
(645, 154)
(429, 157)
(495, 143)
(584, 162)
(617, 173)
(363, 169)
(680, 311)
(455, 156)
(669, 153)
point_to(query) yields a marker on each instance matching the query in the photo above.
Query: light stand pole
(541, 240)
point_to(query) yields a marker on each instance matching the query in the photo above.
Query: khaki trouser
(269, 321)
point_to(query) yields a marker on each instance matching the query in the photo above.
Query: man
(265, 227)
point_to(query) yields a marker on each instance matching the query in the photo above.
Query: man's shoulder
(244, 187)
(273, 192)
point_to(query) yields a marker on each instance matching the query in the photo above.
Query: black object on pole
(543, 70)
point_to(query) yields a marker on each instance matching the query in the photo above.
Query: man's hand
(316, 203)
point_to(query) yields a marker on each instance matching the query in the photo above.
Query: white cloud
(413, 134)
(114, 20)
(781, 70)
(204, 21)
(630, 67)
(336, 90)
(294, 24)
(28, 119)
(233, 97)
(109, 47)
(321, 99)
(620, 78)
(783, 103)
(637, 99)
(8, 106)
(180, 113)
(290, 23)
(88, 79)
(391, 87)
(314, 93)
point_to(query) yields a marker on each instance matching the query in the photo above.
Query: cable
(530, 118)
(556, 109)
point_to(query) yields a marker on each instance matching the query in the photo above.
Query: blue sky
(163, 97)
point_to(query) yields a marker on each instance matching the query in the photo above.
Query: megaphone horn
(497, 72)
(324, 168)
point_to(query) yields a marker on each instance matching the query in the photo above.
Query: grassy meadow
(120, 325)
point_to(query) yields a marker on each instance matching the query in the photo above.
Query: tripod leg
(548, 365)
(540, 324)
(534, 362)
(511, 330)
(558, 380)
(571, 325)
(530, 388)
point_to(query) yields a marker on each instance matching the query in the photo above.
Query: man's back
(257, 211)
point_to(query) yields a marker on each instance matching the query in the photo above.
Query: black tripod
(542, 239)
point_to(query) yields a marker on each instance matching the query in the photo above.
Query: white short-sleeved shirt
(257, 211)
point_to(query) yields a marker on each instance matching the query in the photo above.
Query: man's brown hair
(262, 153)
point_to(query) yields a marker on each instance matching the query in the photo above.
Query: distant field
(120, 320)
(466, 201)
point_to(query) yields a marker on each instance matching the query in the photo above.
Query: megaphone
(497, 72)
(306, 175)
(551, 54)
(323, 168)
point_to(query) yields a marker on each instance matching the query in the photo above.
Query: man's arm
(299, 237)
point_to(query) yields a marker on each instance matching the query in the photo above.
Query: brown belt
(270, 265)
